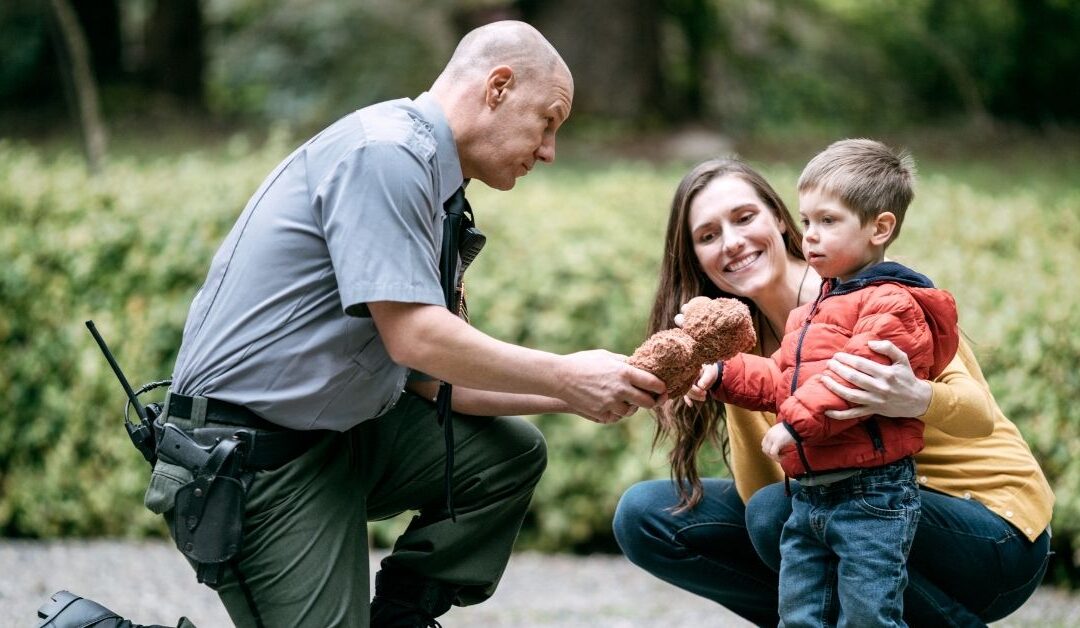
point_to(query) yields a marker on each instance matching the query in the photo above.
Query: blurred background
(133, 131)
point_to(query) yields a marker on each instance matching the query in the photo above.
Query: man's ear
(499, 80)
(884, 225)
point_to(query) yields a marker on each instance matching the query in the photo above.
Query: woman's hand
(888, 390)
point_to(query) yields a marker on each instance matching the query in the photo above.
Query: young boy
(856, 504)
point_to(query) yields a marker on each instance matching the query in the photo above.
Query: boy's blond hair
(866, 175)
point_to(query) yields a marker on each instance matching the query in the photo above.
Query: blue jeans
(967, 566)
(844, 549)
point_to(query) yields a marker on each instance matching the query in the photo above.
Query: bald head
(510, 43)
(505, 93)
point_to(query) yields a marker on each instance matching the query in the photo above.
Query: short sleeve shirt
(353, 216)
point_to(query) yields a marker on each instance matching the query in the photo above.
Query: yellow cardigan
(972, 451)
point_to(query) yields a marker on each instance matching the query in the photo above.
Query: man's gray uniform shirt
(353, 216)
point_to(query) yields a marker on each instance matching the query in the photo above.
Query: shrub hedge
(571, 264)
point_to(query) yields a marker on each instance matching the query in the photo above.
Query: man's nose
(546, 152)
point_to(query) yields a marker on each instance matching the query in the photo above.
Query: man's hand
(776, 439)
(699, 391)
(601, 386)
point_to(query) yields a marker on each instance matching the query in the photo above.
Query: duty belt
(267, 445)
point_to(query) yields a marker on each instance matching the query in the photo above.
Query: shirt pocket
(372, 357)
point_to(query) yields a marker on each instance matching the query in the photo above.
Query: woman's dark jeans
(967, 565)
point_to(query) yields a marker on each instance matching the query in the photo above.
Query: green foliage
(785, 66)
(757, 65)
(571, 264)
(127, 250)
(882, 64)
(307, 60)
(768, 65)
(22, 37)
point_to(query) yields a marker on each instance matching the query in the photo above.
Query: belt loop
(198, 411)
(168, 418)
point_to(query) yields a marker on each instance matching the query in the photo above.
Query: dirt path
(149, 582)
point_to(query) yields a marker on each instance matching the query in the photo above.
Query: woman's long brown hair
(681, 279)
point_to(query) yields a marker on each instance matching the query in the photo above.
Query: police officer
(321, 302)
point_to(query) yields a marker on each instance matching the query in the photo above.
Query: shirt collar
(450, 178)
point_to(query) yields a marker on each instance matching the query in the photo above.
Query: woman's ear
(884, 225)
(498, 82)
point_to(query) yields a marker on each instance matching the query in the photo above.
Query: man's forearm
(596, 384)
(487, 403)
(431, 340)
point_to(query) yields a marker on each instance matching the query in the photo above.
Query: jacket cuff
(717, 389)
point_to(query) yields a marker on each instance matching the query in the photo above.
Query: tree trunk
(74, 60)
(100, 21)
(174, 49)
(612, 48)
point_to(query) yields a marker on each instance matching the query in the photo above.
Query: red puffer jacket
(885, 302)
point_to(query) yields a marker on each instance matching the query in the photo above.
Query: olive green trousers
(304, 559)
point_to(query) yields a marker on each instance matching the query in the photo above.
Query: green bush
(128, 251)
(571, 264)
(309, 61)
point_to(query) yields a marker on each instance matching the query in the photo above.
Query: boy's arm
(749, 381)
(891, 314)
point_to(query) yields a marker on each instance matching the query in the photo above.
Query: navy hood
(878, 273)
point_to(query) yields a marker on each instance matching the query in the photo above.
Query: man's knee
(524, 444)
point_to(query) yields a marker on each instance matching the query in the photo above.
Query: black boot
(66, 610)
(406, 600)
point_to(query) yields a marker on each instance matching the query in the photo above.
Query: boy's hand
(699, 391)
(776, 439)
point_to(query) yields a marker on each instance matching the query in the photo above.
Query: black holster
(207, 520)
(203, 471)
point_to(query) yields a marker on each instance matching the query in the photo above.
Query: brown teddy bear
(713, 330)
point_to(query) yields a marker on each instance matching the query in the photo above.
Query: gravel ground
(150, 582)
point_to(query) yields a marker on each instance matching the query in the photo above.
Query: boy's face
(834, 242)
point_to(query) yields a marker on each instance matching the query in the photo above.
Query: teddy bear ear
(699, 304)
(723, 328)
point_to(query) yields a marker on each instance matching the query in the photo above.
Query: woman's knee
(766, 513)
(636, 522)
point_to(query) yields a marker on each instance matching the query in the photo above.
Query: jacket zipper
(873, 430)
(798, 365)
